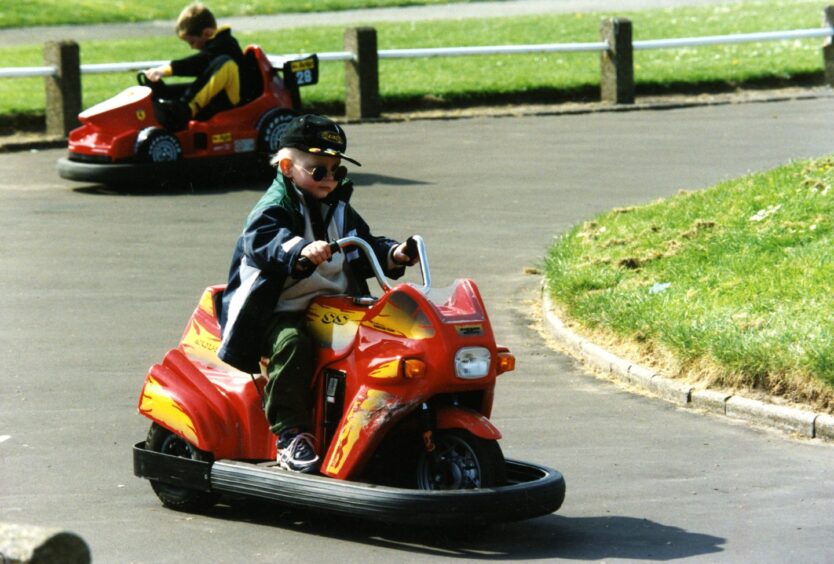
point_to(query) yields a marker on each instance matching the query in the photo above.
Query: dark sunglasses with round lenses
(319, 173)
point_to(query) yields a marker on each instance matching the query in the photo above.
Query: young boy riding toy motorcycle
(281, 261)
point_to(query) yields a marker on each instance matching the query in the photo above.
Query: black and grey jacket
(265, 256)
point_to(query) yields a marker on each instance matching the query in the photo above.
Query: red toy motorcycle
(404, 386)
(120, 140)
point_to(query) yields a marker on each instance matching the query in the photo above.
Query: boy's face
(302, 168)
(197, 41)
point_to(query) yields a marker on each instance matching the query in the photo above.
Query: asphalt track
(97, 285)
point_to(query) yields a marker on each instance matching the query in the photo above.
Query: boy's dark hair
(193, 19)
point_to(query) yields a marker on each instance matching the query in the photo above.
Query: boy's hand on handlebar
(406, 253)
(155, 73)
(316, 252)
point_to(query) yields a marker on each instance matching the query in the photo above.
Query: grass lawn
(732, 285)
(493, 79)
(57, 12)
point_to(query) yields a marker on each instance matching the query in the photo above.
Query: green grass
(734, 282)
(57, 12)
(409, 83)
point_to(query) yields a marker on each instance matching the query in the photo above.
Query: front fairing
(405, 325)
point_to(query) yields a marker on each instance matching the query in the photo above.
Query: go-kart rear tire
(461, 461)
(270, 127)
(162, 440)
(155, 145)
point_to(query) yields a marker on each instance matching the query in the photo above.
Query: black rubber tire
(270, 128)
(157, 146)
(461, 461)
(162, 440)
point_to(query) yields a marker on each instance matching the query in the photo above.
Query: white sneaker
(297, 452)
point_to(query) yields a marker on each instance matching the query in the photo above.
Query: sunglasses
(320, 172)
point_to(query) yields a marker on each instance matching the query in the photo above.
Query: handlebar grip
(306, 264)
(411, 248)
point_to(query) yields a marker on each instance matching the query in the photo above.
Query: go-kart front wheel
(162, 440)
(461, 461)
(155, 145)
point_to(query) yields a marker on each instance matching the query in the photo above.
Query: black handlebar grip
(411, 248)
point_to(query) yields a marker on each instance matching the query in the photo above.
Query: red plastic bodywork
(218, 408)
(109, 130)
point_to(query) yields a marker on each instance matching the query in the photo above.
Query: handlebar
(415, 247)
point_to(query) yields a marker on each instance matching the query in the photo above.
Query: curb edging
(789, 420)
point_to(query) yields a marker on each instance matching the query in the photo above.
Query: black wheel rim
(453, 466)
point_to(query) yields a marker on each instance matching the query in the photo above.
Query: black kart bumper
(531, 491)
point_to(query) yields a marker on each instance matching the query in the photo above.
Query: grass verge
(53, 12)
(462, 81)
(731, 286)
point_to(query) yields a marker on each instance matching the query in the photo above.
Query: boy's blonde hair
(195, 18)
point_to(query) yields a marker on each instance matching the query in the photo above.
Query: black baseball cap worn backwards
(316, 135)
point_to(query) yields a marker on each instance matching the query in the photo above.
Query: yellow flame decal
(200, 342)
(332, 326)
(390, 369)
(157, 403)
(207, 303)
(395, 321)
(359, 415)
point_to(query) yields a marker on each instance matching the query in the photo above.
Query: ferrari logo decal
(140, 115)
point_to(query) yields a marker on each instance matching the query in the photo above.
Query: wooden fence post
(828, 47)
(361, 74)
(617, 62)
(63, 91)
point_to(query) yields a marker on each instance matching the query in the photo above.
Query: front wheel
(162, 440)
(155, 145)
(461, 461)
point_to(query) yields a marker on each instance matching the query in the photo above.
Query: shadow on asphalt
(209, 186)
(552, 536)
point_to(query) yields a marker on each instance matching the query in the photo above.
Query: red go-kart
(121, 141)
(403, 393)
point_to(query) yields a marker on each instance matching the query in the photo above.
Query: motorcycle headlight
(472, 362)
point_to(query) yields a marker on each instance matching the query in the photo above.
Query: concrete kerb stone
(777, 416)
(824, 427)
(783, 418)
(710, 400)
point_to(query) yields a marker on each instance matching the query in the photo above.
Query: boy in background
(225, 77)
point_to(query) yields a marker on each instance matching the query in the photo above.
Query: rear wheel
(270, 129)
(162, 440)
(461, 461)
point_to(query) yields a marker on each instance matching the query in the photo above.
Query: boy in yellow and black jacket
(225, 77)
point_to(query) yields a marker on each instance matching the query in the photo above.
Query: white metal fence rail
(597, 46)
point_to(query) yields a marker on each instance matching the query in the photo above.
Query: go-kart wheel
(155, 145)
(270, 128)
(461, 461)
(162, 440)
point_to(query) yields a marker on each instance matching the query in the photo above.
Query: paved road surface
(96, 286)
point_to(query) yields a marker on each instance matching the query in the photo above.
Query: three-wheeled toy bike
(404, 390)
(121, 141)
